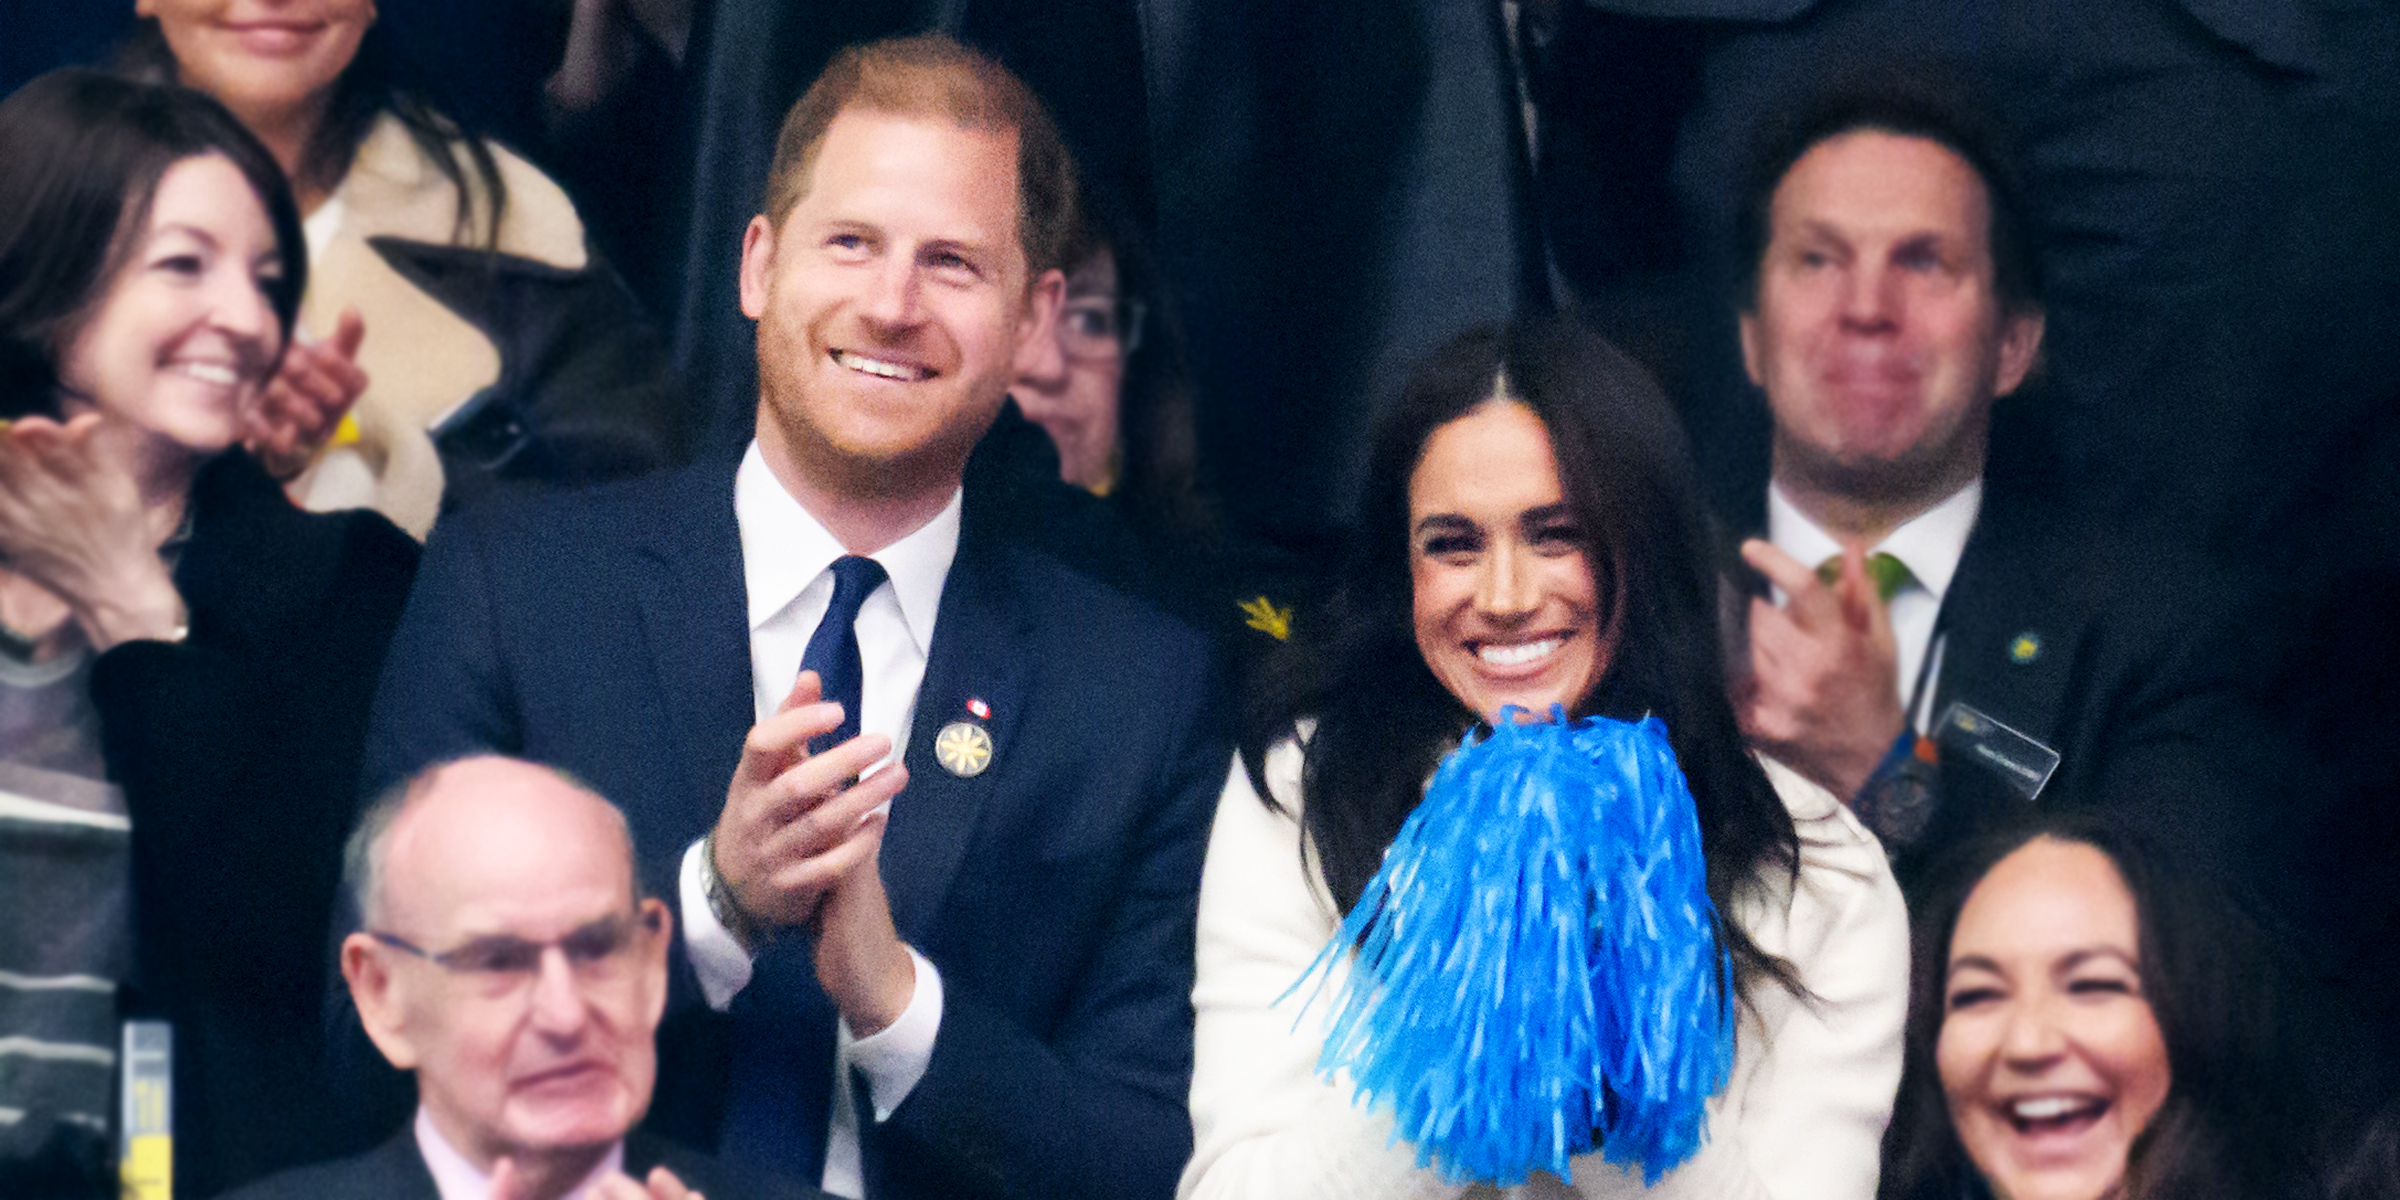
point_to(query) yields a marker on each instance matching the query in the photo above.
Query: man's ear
(375, 993)
(1044, 298)
(654, 962)
(2020, 348)
(758, 265)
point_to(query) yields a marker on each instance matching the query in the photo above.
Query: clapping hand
(308, 397)
(1820, 696)
(797, 845)
(796, 823)
(72, 519)
(509, 1182)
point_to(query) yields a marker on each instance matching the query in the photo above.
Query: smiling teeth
(2046, 1108)
(1525, 652)
(877, 366)
(217, 373)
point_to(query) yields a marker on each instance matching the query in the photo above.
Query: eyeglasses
(599, 953)
(1098, 328)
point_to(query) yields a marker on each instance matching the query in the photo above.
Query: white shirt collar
(456, 1178)
(1928, 544)
(785, 548)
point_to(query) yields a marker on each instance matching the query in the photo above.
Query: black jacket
(238, 751)
(2137, 665)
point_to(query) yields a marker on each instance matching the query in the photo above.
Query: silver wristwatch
(721, 902)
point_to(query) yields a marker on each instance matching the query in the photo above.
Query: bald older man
(508, 961)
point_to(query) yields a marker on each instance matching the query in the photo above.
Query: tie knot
(1884, 569)
(853, 578)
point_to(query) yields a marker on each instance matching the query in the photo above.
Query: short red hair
(934, 76)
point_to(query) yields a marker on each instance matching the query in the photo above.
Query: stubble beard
(828, 468)
(1891, 486)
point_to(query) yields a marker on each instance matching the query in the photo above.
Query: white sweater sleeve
(1263, 1124)
(1815, 1104)
(1797, 1122)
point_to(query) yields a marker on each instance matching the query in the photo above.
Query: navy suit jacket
(2134, 663)
(2129, 660)
(605, 631)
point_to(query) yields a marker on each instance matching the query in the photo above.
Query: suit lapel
(2008, 646)
(395, 1170)
(695, 622)
(978, 662)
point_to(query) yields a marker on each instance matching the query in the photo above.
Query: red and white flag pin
(982, 711)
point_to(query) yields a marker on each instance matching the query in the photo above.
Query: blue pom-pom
(1538, 971)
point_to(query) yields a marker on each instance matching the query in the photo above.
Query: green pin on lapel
(2025, 648)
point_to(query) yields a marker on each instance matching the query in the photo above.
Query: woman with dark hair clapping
(181, 650)
(1606, 948)
(2089, 1021)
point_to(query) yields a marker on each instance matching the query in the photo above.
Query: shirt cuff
(894, 1058)
(720, 962)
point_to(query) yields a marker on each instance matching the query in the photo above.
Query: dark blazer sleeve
(2179, 743)
(444, 690)
(237, 748)
(2144, 680)
(1096, 1105)
(585, 391)
(2184, 747)
(393, 1170)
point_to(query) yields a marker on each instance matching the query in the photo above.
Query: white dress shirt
(1928, 544)
(787, 568)
(456, 1178)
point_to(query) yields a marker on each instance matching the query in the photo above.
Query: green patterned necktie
(1888, 572)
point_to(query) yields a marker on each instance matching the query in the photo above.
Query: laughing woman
(2091, 1021)
(182, 646)
(1530, 537)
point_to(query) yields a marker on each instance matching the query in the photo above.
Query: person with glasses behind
(508, 959)
(1115, 395)
(1080, 393)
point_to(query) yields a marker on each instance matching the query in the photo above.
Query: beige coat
(422, 360)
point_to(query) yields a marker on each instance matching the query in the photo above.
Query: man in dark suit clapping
(932, 801)
(1948, 648)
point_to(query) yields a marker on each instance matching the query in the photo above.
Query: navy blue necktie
(833, 649)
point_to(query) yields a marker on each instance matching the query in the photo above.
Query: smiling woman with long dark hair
(181, 650)
(1531, 537)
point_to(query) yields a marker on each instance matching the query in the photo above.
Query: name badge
(1966, 734)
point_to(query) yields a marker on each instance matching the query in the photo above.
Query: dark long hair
(377, 81)
(84, 152)
(2233, 1125)
(1383, 721)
